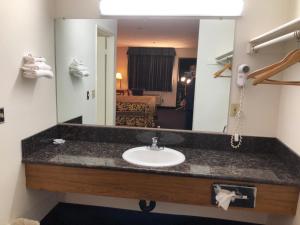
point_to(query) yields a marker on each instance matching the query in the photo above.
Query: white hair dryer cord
(236, 138)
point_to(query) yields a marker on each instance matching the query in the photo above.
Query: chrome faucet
(154, 145)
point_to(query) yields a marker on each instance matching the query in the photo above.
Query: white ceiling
(158, 32)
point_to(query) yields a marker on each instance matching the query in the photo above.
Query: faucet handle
(154, 140)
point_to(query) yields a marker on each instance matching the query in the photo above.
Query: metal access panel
(246, 194)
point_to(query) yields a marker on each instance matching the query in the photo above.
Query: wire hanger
(227, 66)
(262, 76)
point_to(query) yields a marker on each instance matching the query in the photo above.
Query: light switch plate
(2, 115)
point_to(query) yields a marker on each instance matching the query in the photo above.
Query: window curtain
(150, 69)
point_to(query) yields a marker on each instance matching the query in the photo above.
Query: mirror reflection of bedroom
(156, 71)
(159, 72)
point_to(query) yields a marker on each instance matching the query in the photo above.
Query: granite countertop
(254, 167)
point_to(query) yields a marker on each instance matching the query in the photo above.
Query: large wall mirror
(152, 72)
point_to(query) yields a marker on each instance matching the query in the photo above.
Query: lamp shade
(119, 76)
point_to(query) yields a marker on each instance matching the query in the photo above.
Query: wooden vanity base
(273, 199)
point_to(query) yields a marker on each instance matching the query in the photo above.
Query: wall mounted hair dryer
(242, 75)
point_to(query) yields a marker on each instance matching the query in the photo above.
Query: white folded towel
(80, 74)
(38, 73)
(31, 59)
(22, 221)
(77, 69)
(36, 66)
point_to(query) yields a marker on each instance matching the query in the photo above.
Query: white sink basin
(143, 156)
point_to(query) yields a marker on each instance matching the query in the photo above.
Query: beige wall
(122, 62)
(289, 107)
(168, 98)
(289, 111)
(26, 27)
(169, 208)
(262, 101)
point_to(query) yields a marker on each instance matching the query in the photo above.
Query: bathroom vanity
(90, 162)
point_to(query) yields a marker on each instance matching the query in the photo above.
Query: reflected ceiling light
(188, 81)
(182, 79)
(171, 7)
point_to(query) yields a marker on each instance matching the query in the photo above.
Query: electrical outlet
(2, 115)
(234, 108)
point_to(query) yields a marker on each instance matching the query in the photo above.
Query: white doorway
(105, 78)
